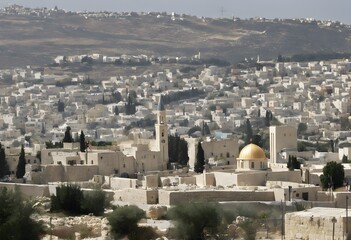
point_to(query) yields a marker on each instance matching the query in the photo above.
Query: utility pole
(283, 215)
(333, 221)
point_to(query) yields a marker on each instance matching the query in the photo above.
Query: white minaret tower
(162, 134)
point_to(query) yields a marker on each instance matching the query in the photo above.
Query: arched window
(163, 134)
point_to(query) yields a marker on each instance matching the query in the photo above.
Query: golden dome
(252, 152)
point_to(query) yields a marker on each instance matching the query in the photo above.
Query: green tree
(21, 166)
(196, 221)
(293, 163)
(82, 141)
(60, 106)
(68, 137)
(194, 129)
(333, 175)
(116, 110)
(94, 202)
(71, 199)
(177, 150)
(200, 159)
(206, 130)
(268, 118)
(289, 165)
(130, 106)
(183, 156)
(4, 167)
(68, 198)
(301, 128)
(15, 218)
(124, 221)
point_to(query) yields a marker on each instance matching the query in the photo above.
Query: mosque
(252, 157)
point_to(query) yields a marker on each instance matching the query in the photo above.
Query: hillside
(26, 39)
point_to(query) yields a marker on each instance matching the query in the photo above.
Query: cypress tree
(82, 142)
(68, 137)
(183, 156)
(21, 166)
(4, 167)
(200, 159)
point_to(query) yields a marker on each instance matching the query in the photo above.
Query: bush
(196, 220)
(124, 221)
(94, 202)
(15, 218)
(333, 175)
(70, 198)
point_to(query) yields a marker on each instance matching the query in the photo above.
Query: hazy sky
(319, 9)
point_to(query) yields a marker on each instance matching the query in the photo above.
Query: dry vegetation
(32, 40)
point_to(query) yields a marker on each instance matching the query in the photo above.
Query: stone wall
(121, 183)
(187, 180)
(78, 173)
(225, 179)
(282, 194)
(251, 179)
(151, 181)
(177, 197)
(28, 190)
(285, 176)
(137, 196)
(316, 223)
(60, 173)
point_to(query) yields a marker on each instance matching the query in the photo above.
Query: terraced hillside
(36, 40)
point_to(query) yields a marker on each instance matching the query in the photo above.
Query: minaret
(162, 134)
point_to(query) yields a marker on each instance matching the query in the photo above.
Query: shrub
(70, 198)
(15, 218)
(94, 202)
(124, 221)
(196, 220)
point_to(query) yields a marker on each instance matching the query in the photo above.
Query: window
(252, 165)
(92, 162)
(228, 154)
(124, 166)
(163, 134)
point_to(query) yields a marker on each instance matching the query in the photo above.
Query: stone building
(252, 157)
(281, 138)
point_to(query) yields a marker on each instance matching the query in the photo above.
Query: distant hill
(37, 40)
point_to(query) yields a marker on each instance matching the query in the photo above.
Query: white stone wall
(137, 196)
(177, 197)
(121, 183)
(28, 190)
(316, 223)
